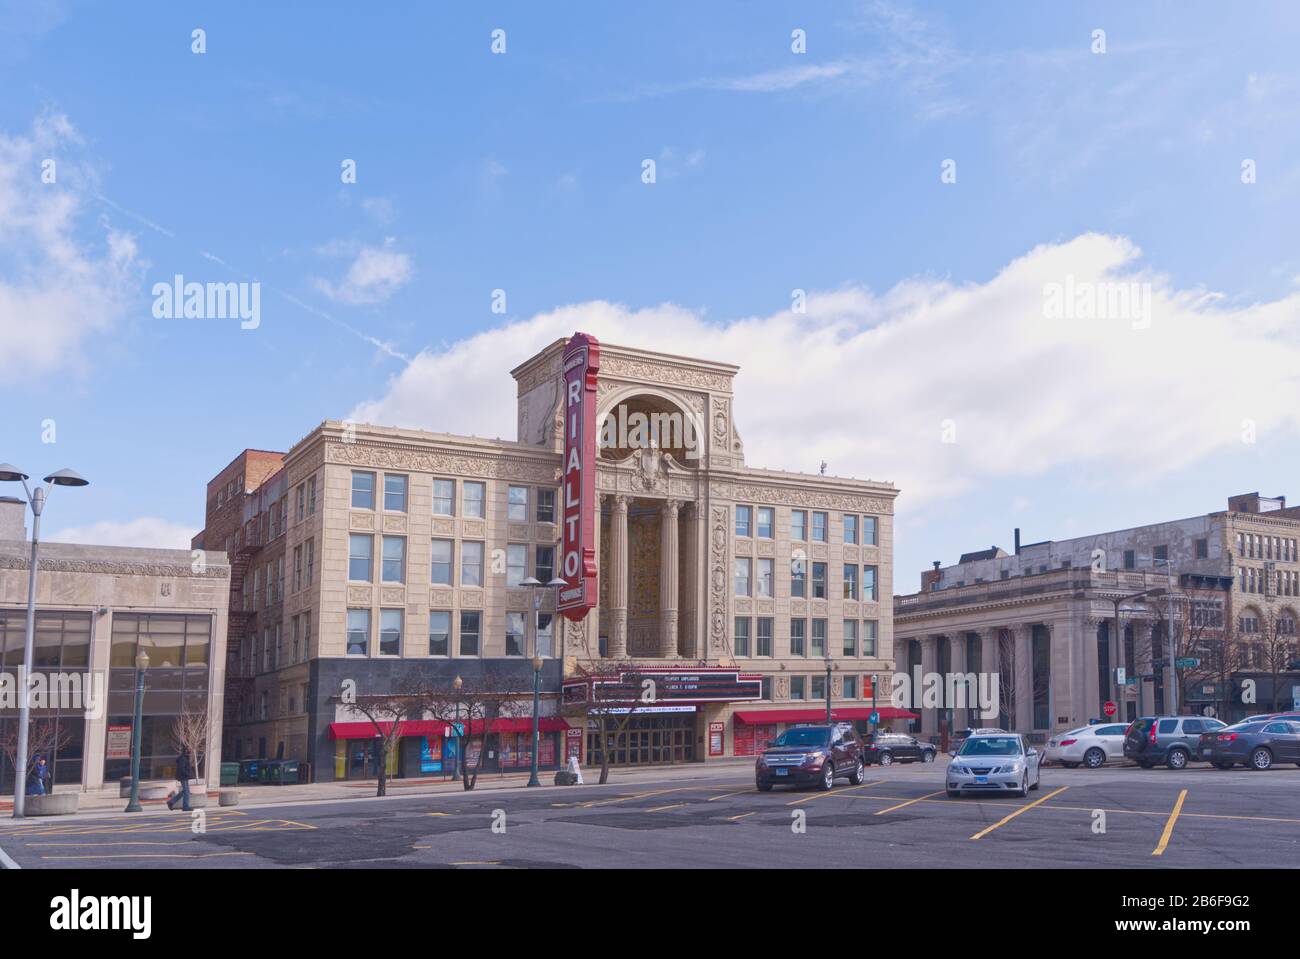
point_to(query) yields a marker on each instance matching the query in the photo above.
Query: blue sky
(775, 171)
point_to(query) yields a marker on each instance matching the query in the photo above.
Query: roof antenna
(823, 467)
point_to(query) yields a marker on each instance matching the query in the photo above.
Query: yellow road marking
(741, 816)
(676, 805)
(657, 792)
(1169, 826)
(437, 814)
(833, 792)
(743, 792)
(1006, 819)
(155, 855)
(421, 847)
(909, 802)
(138, 842)
(477, 862)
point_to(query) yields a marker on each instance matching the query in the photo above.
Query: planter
(228, 797)
(154, 790)
(55, 804)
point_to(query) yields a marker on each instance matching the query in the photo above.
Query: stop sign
(1109, 709)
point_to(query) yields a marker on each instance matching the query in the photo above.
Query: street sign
(1295, 698)
(875, 716)
(1110, 708)
(1121, 675)
(1187, 662)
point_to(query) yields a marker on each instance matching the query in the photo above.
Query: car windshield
(990, 746)
(806, 736)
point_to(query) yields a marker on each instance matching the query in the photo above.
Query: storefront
(754, 729)
(429, 748)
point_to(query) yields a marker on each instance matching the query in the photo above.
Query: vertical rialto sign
(578, 555)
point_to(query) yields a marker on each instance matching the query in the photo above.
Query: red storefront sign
(716, 731)
(578, 553)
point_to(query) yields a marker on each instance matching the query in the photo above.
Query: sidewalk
(108, 801)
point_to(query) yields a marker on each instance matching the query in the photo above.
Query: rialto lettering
(74, 913)
(577, 559)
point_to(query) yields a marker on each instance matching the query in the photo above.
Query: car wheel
(886, 759)
(859, 774)
(827, 781)
(1261, 759)
(1177, 759)
(764, 787)
(1094, 758)
(1024, 784)
(927, 756)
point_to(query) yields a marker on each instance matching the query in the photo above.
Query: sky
(910, 225)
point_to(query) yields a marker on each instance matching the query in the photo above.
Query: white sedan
(1090, 745)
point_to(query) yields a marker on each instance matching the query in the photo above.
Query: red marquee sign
(578, 553)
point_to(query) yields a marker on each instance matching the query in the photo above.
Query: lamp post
(532, 583)
(36, 499)
(456, 684)
(141, 664)
(537, 688)
(828, 687)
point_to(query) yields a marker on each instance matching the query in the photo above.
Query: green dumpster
(282, 772)
(229, 774)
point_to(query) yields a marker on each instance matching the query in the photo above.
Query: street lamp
(141, 664)
(36, 499)
(828, 688)
(532, 583)
(456, 684)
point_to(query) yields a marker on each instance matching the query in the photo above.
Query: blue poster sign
(429, 763)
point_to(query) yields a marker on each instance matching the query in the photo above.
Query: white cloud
(375, 275)
(866, 381)
(146, 531)
(57, 288)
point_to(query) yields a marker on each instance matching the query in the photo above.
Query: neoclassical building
(738, 586)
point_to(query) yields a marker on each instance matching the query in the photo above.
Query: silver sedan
(998, 763)
(1090, 745)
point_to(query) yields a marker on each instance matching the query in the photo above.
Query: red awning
(434, 728)
(838, 714)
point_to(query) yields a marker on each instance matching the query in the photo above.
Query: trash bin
(250, 770)
(282, 772)
(229, 774)
(265, 770)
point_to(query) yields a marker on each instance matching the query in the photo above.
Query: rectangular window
(798, 637)
(819, 687)
(1130, 559)
(297, 640)
(743, 570)
(395, 492)
(469, 632)
(869, 630)
(763, 639)
(869, 591)
(306, 635)
(798, 577)
(390, 632)
(765, 688)
(850, 687)
(799, 524)
(439, 632)
(868, 531)
(850, 581)
(475, 494)
(544, 564)
(440, 556)
(546, 506)
(311, 560)
(850, 637)
(819, 527)
(545, 634)
(819, 637)
(363, 490)
(765, 521)
(1160, 556)
(311, 496)
(358, 632)
(514, 634)
(516, 563)
(394, 570)
(471, 564)
(742, 636)
(744, 521)
(850, 528)
(300, 502)
(444, 497)
(297, 568)
(765, 578)
(517, 507)
(797, 687)
(360, 546)
(1202, 548)
(818, 580)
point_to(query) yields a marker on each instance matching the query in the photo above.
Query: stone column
(991, 666)
(618, 578)
(1024, 678)
(1143, 666)
(929, 666)
(957, 663)
(1092, 685)
(668, 579)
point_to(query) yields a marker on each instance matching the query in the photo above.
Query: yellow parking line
(676, 805)
(741, 816)
(477, 862)
(1169, 826)
(833, 792)
(156, 855)
(1006, 819)
(657, 792)
(743, 792)
(909, 802)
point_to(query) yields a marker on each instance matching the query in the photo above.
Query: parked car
(1167, 740)
(962, 735)
(1089, 745)
(884, 749)
(1257, 745)
(998, 762)
(808, 755)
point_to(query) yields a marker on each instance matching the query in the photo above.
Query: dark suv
(1167, 740)
(807, 755)
(887, 748)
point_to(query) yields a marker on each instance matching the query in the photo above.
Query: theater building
(740, 588)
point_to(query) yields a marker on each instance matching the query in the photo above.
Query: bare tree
(385, 711)
(471, 710)
(1278, 648)
(45, 738)
(190, 733)
(614, 693)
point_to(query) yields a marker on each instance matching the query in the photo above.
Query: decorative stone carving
(800, 498)
(445, 462)
(471, 598)
(718, 578)
(441, 597)
(364, 521)
(394, 524)
(647, 371)
(393, 596)
(360, 596)
(444, 527)
(474, 528)
(783, 687)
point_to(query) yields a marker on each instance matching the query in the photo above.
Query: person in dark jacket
(184, 772)
(38, 780)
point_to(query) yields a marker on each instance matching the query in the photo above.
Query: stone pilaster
(929, 666)
(1024, 678)
(957, 659)
(618, 578)
(668, 579)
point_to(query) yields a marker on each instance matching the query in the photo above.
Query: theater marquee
(578, 557)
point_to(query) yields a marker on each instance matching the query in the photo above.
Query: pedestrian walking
(38, 779)
(184, 772)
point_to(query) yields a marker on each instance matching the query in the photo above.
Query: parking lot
(1111, 817)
